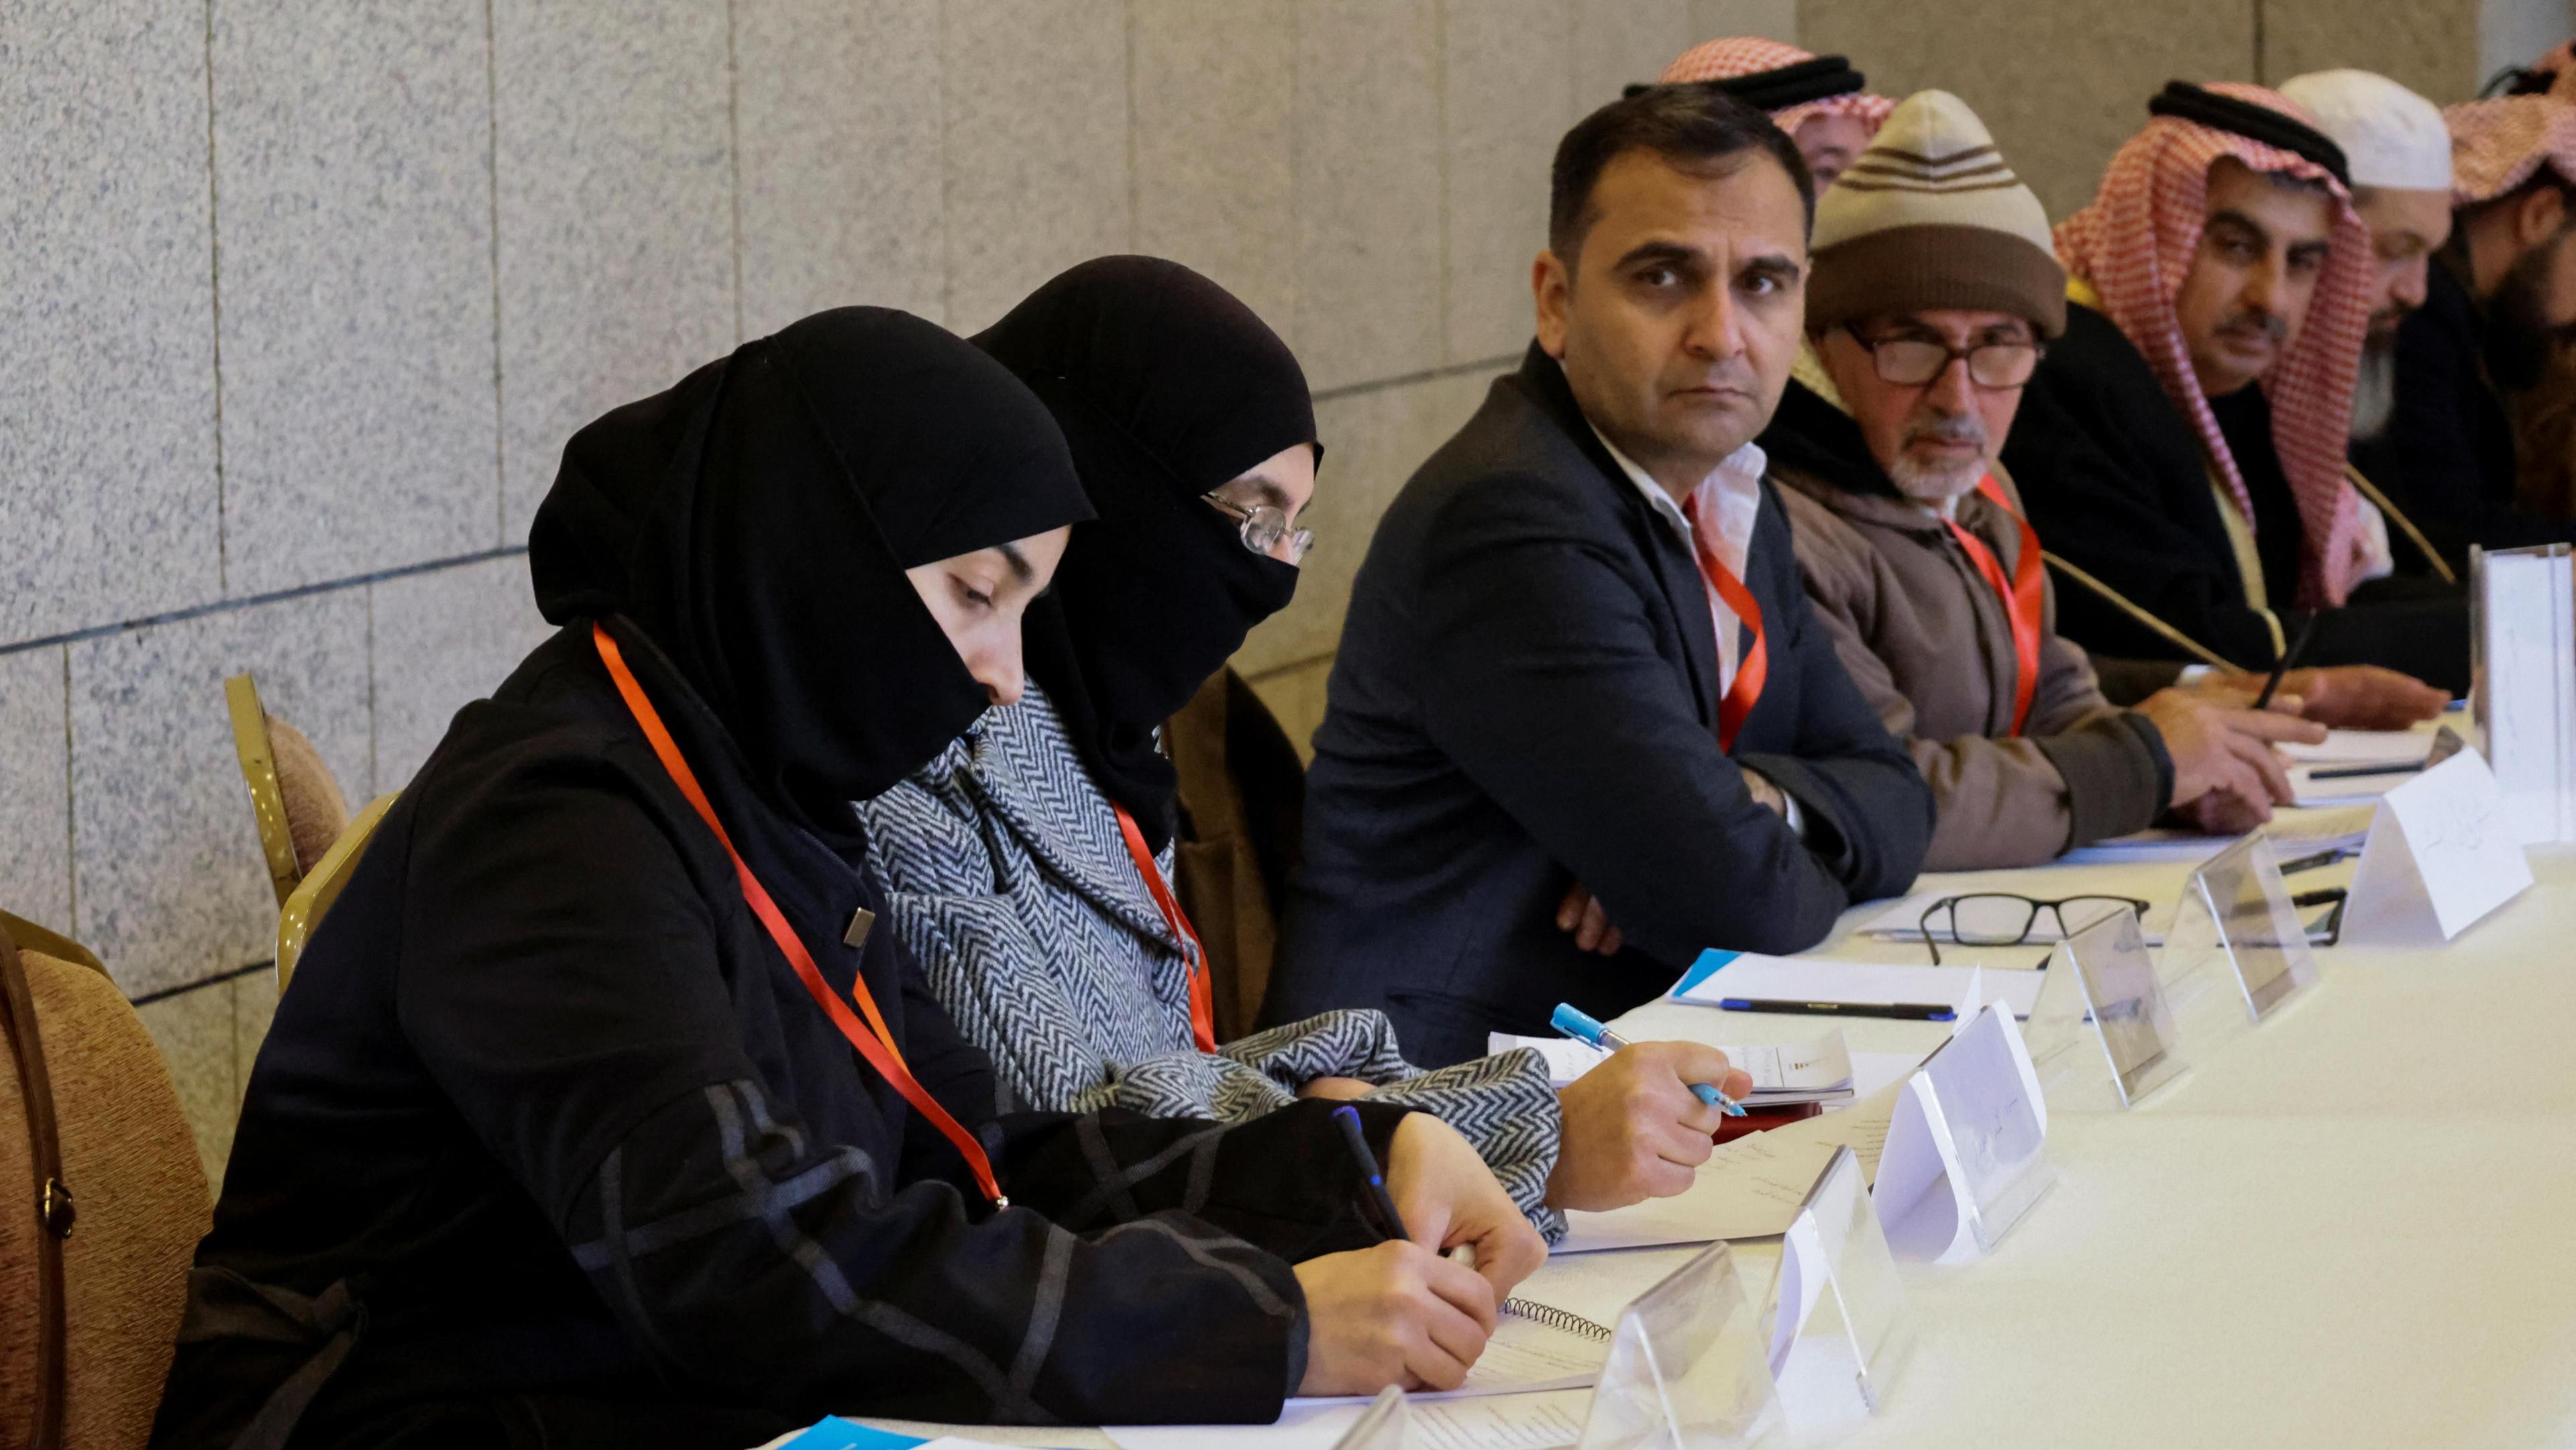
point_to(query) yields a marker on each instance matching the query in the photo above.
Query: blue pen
(1578, 1024)
(1373, 1194)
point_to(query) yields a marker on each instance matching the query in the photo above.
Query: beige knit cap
(1931, 217)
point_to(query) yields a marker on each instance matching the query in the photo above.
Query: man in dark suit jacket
(1531, 698)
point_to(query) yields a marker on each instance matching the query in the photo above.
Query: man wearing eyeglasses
(1933, 292)
(1579, 686)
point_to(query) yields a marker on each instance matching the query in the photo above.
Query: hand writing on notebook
(1397, 1314)
(1633, 1128)
(1400, 1313)
(2224, 751)
(2350, 697)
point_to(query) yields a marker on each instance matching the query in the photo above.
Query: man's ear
(2538, 216)
(1550, 283)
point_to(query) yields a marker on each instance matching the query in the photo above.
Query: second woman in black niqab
(1166, 388)
(549, 1145)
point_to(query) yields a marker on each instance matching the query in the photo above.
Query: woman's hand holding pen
(1402, 1313)
(1447, 1197)
(1397, 1314)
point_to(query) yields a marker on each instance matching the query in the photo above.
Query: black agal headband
(1790, 85)
(2187, 102)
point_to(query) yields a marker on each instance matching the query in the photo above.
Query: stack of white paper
(1819, 1071)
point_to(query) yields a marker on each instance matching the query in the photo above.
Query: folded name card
(1967, 1147)
(2441, 854)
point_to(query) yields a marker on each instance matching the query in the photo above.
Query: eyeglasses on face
(2002, 919)
(1263, 527)
(1911, 362)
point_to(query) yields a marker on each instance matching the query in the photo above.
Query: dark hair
(1691, 124)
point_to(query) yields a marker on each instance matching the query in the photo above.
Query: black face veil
(1166, 387)
(755, 523)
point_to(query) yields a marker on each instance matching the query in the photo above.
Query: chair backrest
(258, 755)
(321, 886)
(33, 938)
(1242, 794)
(104, 1210)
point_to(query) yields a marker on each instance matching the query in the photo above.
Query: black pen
(2322, 858)
(2376, 767)
(1373, 1186)
(1903, 1011)
(2281, 666)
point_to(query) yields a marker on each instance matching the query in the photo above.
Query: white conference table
(2352, 1226)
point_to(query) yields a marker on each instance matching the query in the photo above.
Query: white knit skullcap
(2392, 137)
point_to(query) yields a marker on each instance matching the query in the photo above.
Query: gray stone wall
(304, 296)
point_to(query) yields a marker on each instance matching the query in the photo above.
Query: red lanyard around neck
(1193, 955)
(873, 1041)
(2021, 597)
(1746, 687)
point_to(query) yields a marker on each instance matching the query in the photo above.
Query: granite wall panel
(109, 494)
(1507, 99)
(353, 154)
(167, 873)
(1620, 42)
(1215, 144)
(2058, 120)
(195, 1031)
(1770, 19)
(838, 113)
(439, 641)
(1373, 441)
(1036, 101)
(614, 175)
(1369, 287)
(2431, 45)
(35, 789)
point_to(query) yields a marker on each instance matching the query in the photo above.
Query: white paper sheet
(1495, 1422)
(1751, 1188)
(2355, 747)
(1823, 1062)
(1814, 979)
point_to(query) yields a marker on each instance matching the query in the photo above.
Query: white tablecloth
(2352, 1226)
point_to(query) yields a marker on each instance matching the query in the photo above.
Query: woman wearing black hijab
(598, 1115)
(1028, 866)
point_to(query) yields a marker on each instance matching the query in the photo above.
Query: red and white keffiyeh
(1742, 55)
(2135, 244)
(2496, 145)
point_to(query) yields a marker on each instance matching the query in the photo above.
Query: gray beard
(1933, 487)
(2374, 388)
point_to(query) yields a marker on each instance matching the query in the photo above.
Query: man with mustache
(2499, 301)
(1933, 294)
(1578, 655)
(2181, 448)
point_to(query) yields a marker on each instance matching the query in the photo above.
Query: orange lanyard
(1193, 955)
(1746, 687)
(2021, 598)
(874, 1043)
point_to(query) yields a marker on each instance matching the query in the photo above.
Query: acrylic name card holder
(1687, 1366)
(2101, 1036)
(2238, 952)
(1967, 1146)
(1386, 1425)
(1840, 1332)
